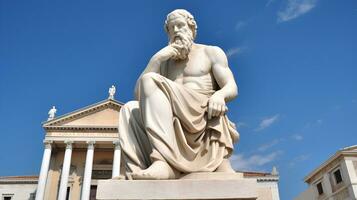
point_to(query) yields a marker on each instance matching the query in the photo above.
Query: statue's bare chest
(196, 65)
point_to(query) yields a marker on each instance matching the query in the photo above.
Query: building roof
(346, 151)
(261, 176)
(80, 112)
(30, 179)
(256, 174)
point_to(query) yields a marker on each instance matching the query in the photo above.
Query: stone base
(195, 186)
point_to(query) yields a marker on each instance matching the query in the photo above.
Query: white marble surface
(177, 189)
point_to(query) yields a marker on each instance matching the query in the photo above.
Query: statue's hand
(216, 106)
(166, 53)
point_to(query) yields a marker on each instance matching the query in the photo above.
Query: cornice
(268, 179)
(18, 182)
(341, 153)
(77, 128)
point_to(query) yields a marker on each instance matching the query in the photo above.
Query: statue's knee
(148, 76)
(147, 84)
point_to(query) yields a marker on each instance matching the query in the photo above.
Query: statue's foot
(225, 167)
(157, 170)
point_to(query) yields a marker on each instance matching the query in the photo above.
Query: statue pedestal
(193, 186)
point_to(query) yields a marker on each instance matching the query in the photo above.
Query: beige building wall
(268, 190)
(18, 191)
(267, 185)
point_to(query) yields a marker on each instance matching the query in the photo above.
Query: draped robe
(198, 144)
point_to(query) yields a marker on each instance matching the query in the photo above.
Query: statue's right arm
(154, 64)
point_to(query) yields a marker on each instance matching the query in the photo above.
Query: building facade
(335, 179)
(80, 148)
(18, 187)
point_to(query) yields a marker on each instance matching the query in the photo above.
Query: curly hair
(182, 13)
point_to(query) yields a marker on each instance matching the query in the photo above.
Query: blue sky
(294, 61)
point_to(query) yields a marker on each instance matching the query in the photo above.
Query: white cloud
(240, 25)
(241, 124)
(254, 162)
(297, 159)
(297, 137)
(267, 146)
(296, 8)
(233, 51)
(265, 123)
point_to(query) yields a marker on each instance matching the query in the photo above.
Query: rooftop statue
(178, 123)
(111, 92)
(52, 113)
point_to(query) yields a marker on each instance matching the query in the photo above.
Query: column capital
(68, 144)
(91, 144)
(116, 142)
(48, 144)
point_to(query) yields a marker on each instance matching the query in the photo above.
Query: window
(93, 192)
(33, 196)
(320, 190)
(338, 177)
(101, 174)
(7, 196)
(68, 191)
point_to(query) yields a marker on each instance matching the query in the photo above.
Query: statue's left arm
(224, 78)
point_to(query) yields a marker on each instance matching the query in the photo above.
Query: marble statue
(52, 113)
(178, 123)
(111, 92)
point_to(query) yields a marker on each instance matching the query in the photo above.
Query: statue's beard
(183, 43)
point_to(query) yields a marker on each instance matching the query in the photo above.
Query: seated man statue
(178, 124)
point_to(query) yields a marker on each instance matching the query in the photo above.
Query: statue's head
(181, 28)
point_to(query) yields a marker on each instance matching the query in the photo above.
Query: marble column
(88, 171)
(116, 160)
(65, 171)
(40, 192)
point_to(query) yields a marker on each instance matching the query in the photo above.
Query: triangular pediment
(103, 114)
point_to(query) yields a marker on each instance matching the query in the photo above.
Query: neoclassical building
(335, 179)
(82, 147)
